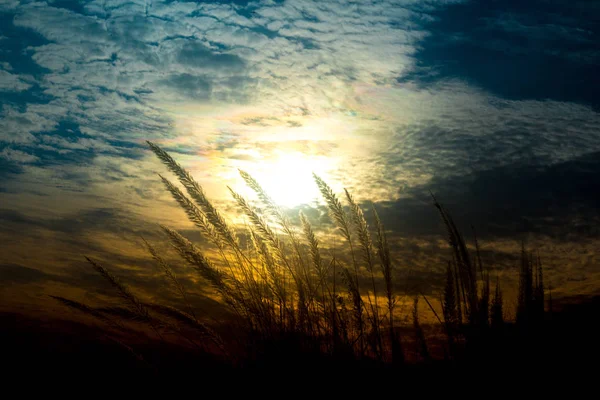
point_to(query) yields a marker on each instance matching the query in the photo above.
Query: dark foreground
(32, 347)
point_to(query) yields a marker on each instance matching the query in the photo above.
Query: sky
(492, 105)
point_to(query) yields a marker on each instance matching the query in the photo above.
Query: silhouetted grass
(285, 291)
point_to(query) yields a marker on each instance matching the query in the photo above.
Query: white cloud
(17, 156)
(18, 127)
(11, 82)
(135, 70)
(8, 5)
(137, 47)
(62, 145)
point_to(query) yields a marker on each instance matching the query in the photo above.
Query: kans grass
(291, 301)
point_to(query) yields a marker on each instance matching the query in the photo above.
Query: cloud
(487, 106)
(19, 127)
(198, 56)
(17, 156)
(19, 274)
(517, 50)
(507, 201)
(12, 83)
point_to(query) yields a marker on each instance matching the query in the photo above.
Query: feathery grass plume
(127, 314)
(170, 275)
(449, 309)
(88, 310)
(319, 269)
(357, 305)
(484, 299)
(538, 292)
(435, 314)
(419, 334)
(525, 299)
(496, 309)
(550, 300)
(131, 351)
(266, 259)
(194, 214)
(337, 214)
(244, 300)
(265, 285)
(80, 307)
(449, 299)
(197, 194)
(341, 337)
(217, 279)
(315, 253)
(99, 313)
(123, 290)
(366, 244)
(273, 209)
(123, 313)
(478, 253)
(192, 255)
(383, 252)
(484, 302)
(336, 210)
(459, 292)
(191, 322)
(262, 228)
(281, 218)
(138, 307)
(364, 237)
(265, 232)
(273, 276)
(539, 279)
(467, 278)
(276, 293)
(181, 317)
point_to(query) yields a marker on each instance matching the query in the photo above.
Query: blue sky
(492, 105)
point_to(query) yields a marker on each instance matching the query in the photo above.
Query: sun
(287, 177)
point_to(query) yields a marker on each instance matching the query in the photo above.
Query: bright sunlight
(287, 177)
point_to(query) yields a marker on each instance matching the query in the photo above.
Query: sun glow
(288, 178)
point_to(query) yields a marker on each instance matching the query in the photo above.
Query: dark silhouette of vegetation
(292, 302)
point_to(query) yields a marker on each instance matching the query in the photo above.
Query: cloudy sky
(492, 105)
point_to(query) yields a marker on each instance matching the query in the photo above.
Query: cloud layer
(493, 108)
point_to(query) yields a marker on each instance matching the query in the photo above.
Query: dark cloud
(73, 5)
(198, 56)
(516, 49)
(16, 45)
(8, 168)
(190, 86)
(19, 274)
(112, 220)
(558, 201)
